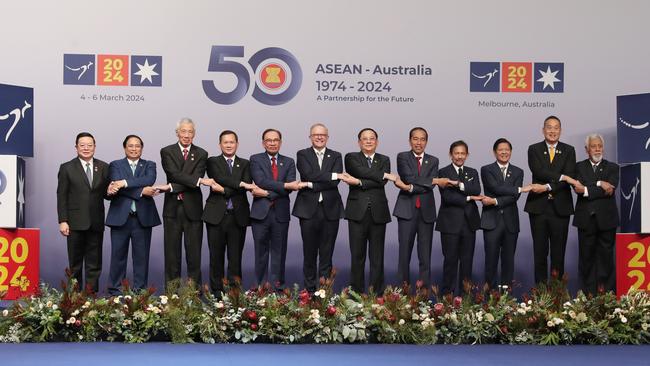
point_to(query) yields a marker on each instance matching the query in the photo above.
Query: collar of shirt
(182, 147)
(594, 164)
(503, 166)
(226, 158)
(421, 156)
(83, 163)
(276, 156)
(132, 162)
(548, 146)
(456, 167)
(372, 157)
(319, 151)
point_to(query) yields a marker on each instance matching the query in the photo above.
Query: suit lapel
(80, 171)
(97, 171)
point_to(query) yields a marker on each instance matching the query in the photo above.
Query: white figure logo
(636, 127)
(18, 115)
(631, 195)
(487, 76)
(82, 68)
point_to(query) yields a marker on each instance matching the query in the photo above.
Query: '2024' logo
(278, 75)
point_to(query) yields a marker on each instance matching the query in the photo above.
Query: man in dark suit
(275, 178)
(131, 215)
(226, 213)
(415, 208)
(596, 217)
(184, 166)
(502, 186)
(458, 219)
(82, 186)
(367, 210)
(549, 204)
(320, 206)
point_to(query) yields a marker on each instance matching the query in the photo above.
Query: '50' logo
(278, 75)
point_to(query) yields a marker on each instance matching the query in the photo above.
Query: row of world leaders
(270, 178)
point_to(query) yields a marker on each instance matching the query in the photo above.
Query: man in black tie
(458, 219)
(319, 207)
(226, 213)
(82, 186)
(415, 208)
(549, 204)
(596, 217)
(502, 186)
(184, 165)
(367, 210)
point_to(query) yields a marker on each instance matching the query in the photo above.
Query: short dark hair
(229, 132)
(501, 141)
(271, 130)
(550, 118)
(84, 134)
(456, 144)
(367, 129)
(126, 139)
(426, 134)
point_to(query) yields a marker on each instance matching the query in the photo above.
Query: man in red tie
(184, 164)
(415, 207)
(275, 178)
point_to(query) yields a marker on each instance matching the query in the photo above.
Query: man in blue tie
(275, 177)
(131, 215)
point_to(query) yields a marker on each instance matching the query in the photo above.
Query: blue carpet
(161, 354)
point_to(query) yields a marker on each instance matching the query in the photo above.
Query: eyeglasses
(317, 135)
(272, 141)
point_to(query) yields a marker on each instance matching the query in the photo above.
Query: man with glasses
(319, 207)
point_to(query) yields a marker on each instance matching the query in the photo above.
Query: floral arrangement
(545, 315)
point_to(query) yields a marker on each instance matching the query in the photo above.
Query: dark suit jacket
(322, 183)
(407, 168)
(215, 206)
(545, 172)
(78, 203)
(455, 208)
(506, 191)
(263, 178)
(183, 176)
(145, 175)
(597, 203)
(371, 191)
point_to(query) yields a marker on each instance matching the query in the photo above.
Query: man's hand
(292, 186)
(569, 180)
(488, 201)
(538, 188)
(350, 180)
(608, 187)
(527, 188)
(259, 192)
(150, 191)
(477, 198)
(216, 187)
(64, 229)
(440, 182)
(207, 181)
(303, 185)
(163, 188)
(391, 177)
(247, 186)
(401, 185)
(579, 187)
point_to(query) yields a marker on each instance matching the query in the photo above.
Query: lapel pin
(237, 165)
(192, 159)
(426, 161)
(544, 152)
(95, 168)
(328, 155)
(508, 175)
(281, 164)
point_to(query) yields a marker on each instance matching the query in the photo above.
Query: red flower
(438, 309)
(392, 318)
(419, 284)
(253, 326)
(304, 296)
(77, 323)
(380, 300)
(504, 329)
(251, 315)
(458, 301)
(331, 310)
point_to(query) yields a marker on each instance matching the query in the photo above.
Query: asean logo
(276, 71)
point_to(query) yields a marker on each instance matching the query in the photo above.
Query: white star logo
(549, 78)
(146, 71)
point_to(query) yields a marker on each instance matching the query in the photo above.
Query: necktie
(551, 152)
(181, 196)
(595, 168)
(229, 205)
(417, 199)
(369, 161)
(461, 177)
(274, 168)
(89, 174)
(133, 166)
(503, 172)
(320, 159)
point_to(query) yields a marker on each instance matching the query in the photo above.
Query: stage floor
(160, 354)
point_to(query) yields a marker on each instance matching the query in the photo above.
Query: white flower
(645, 326)
(521, 311)
(567, 304)
(126, 322)
(5, 312)
(75, 313)
(54, 307)
(401, 322)
(174, 297)
(530, 302)
(623, 319)
(489, 317)
(220, 305)
(320, 293)
(163, 299)
(581, 317)
(117, 299)
(617, 310)
(72, 320)
(127, 297)
(572, 314)
(550, 324)
(86, 305)
(558, 321)
(415, 316)
(49, 304)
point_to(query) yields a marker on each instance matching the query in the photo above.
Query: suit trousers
(366, 235)
(499, 242)
(176, 229)
(596, 258)
(140, 238)
(227, 237)
(85, 256)
(458, 252)
(318, 240)
(550, 231)
(407, 230)
(270, 237)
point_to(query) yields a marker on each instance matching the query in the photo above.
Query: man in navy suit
(132, 214)
(458, 219)
(502, 186)
(275, 178)
(320, 206)
(596, 217)
(550, 204)
(415, 208)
